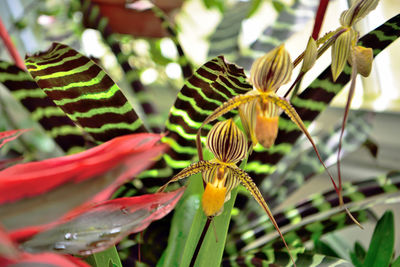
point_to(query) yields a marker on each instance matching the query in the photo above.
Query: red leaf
(8, 136)
(44, 259)
(39, 192)
(96, 227)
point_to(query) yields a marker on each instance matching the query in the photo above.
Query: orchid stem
(200, 242)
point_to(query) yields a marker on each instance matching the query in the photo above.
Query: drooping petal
(246, 180)
(247, 113)
(272, 70)
(227, 142)
(358, 10)
(96, 227)
(38, 192)
(340, 52)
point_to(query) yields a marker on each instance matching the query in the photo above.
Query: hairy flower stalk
(259, 108)
(229, 146)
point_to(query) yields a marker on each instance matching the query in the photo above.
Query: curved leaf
(34, 193)
(84, 92)
(381, 247)
(96, 227)
(56, 124)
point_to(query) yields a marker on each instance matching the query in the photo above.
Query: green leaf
(211, 251)
(106, 258)
(382, 242)
(396, 263)
(181, 222)
(359, 251)
(322, 247)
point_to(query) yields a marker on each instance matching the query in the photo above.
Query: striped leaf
(318, 214)
(53, 119)
(272, 257)
(225, 38)
(289, 21)
(84, 92)
(210, 86)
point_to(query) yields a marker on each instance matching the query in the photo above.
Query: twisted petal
(272, 70)
(358, 10)
(227, 142)
(246, 180)
(192, 169)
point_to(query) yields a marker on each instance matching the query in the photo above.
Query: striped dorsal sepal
(210, 86)
(56, 124)
(84, 92)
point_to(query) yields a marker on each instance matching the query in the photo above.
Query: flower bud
(272, 70)
(358, 10)
(310, 55)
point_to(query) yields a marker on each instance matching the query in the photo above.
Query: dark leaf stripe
(85, 93)
(53, 119)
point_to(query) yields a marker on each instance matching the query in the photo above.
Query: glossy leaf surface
(35, 193)
(94, 228)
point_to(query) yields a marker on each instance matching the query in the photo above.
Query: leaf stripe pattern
(183, 60)
(211, 85)
(322, 90)
(84, 92)
(65, 133)
(92, 18)
(289, 20)
(272, 257)
(224, 40)
(319, 203)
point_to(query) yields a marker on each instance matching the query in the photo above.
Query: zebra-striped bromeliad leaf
(84, 92)
(228, 145)
(57, 125)
(271, 257)
(362, 195)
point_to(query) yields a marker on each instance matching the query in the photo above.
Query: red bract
(96, 227)
(40, 192)
(10, 135)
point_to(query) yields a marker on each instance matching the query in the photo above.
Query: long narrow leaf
(38, 192)
(96, 227)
